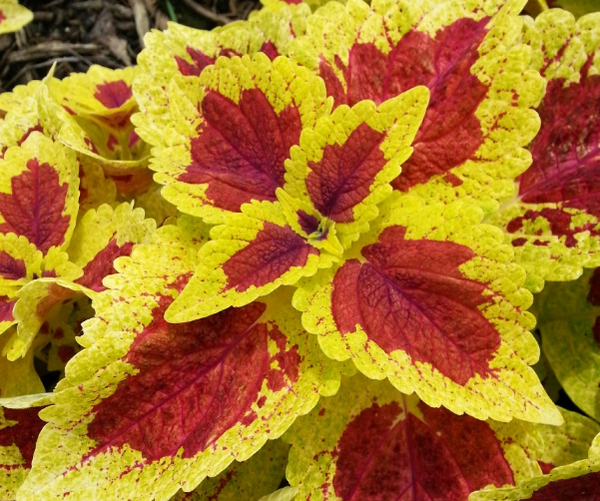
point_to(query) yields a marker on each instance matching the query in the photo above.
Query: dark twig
(209, 14)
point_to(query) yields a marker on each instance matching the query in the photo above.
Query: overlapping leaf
(97, 123)
(467, 54)
(430, 300)
(574, 482)
(232, 130)
(371, 442)
(258, 476)
(333, 182)
(553, 222)
(19, 430)
(185, 51)
(13, 16)
(124, 427)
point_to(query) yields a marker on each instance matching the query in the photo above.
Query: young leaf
(260, 475)
(19, 430)
(39, 184)
(568, 321)
(553, 223)
(430, 300)
(466, 53)
(340, 171)
(128, 428)
(233, 130)
(13, 16)
(574, 482)
(371, 442)
(17, 377)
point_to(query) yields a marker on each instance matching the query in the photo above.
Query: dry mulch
(77, 34)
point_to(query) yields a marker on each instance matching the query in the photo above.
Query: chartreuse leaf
(468, 54)
(339, 172)
(284, 494)
(430, 299)
(19, 377)
(553, 223)
(260, 475)
(181, 50)
(577, 481)
(251, 256)
(39, 192)
(343, 167)
(101, 236)
(19, 430)
(96, 109)
(124, 428)
(231, 132)
(13, 16)
(372, 442)
(568, 321)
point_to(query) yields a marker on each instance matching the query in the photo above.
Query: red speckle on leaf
(584, 488)
(287, 363)
(452, 179)
(35, 206)
(566, 152)
(2, 16)
(560, 225)
(11, 268)
(58, 334)
(113, 94)
(240, 149)
(593, 296)
(273, 252)
(37, 128)
(102, 265)
(410, 295)
(343, 177)
(194, 381)
(24, 434)
(112, 142)
(445, 457)
(269, 49)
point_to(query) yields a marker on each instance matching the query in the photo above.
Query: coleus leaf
(577, 7)
(13, 16)
(568, 319)
(17, 377)
(553, 222)
(467, 54)
(19, 430)
(371, 442)
(232, 132)
(181, 50)
(95, 109)
(260, 475)
(39, 192)
(430, 300)
(574, 482)
(128, 429)
(340, 171)
(100, 237)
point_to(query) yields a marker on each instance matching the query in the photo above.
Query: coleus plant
(334, 283)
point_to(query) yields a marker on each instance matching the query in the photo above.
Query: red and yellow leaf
(19, 430)
(124, 428)
(232, 132)
(39, 192)
(13, 16)
(553, 223)
(370, 442)
(468, 55)
(430, 300)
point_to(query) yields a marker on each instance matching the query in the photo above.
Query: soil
(77, 34)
